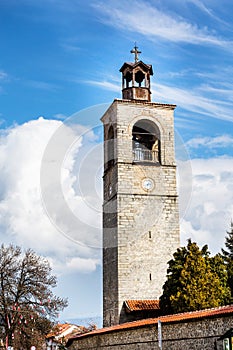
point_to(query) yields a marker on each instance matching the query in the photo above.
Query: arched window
(146, 142)
(139, 77)
(110, 147)
(128, 79)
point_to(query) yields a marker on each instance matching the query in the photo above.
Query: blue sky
(60, 57)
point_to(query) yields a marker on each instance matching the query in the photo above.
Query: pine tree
(195, 281)
(228, 258)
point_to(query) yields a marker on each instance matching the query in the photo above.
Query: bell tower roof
(134, 65)
(136, 78)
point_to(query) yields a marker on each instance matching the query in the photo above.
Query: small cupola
(136, 79)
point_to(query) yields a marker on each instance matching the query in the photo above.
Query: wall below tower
(195, 334)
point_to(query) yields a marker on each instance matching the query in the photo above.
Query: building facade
(140, 209)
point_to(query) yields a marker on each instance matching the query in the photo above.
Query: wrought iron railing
(145, 155)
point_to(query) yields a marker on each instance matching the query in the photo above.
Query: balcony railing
(145, 155)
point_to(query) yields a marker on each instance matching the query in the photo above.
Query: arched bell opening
(139, 78)
(128, 79)
(146, 142)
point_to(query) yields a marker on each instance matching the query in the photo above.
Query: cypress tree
(227, 255)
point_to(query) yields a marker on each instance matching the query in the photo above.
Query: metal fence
(141, 155)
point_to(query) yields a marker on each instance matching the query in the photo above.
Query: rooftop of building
(141, 305)
(181, 317)
(65, 331)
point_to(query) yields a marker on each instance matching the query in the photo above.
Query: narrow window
(110, 147)
(150, 277)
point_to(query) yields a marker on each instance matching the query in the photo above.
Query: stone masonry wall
(200, 334)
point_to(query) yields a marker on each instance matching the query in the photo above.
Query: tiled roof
(141, 305)
(182, 317)
(65, 330)
(58, 329)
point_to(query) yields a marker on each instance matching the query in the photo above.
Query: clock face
(147, 184)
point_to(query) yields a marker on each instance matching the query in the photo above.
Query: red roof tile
(60, 328)
(141, 305)
(207, 313)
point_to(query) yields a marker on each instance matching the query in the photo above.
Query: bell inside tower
(146, 142)
(139, 79)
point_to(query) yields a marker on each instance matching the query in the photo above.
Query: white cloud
(3, 75)
(76, 205)
(42, 85)
(81, 264)
(77, 264)
(60, 116)
(141, 17)
(201, 5)
(195, 101)
(105, 85)
(211, 206)
(211, 142)
(211, 9)
(23, 219)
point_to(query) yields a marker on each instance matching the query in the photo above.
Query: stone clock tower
(140, 209)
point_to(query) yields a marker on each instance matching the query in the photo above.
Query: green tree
(26, 298)
(195, 281)
(227, 255)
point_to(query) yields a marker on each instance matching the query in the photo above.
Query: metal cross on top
(136, 52)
